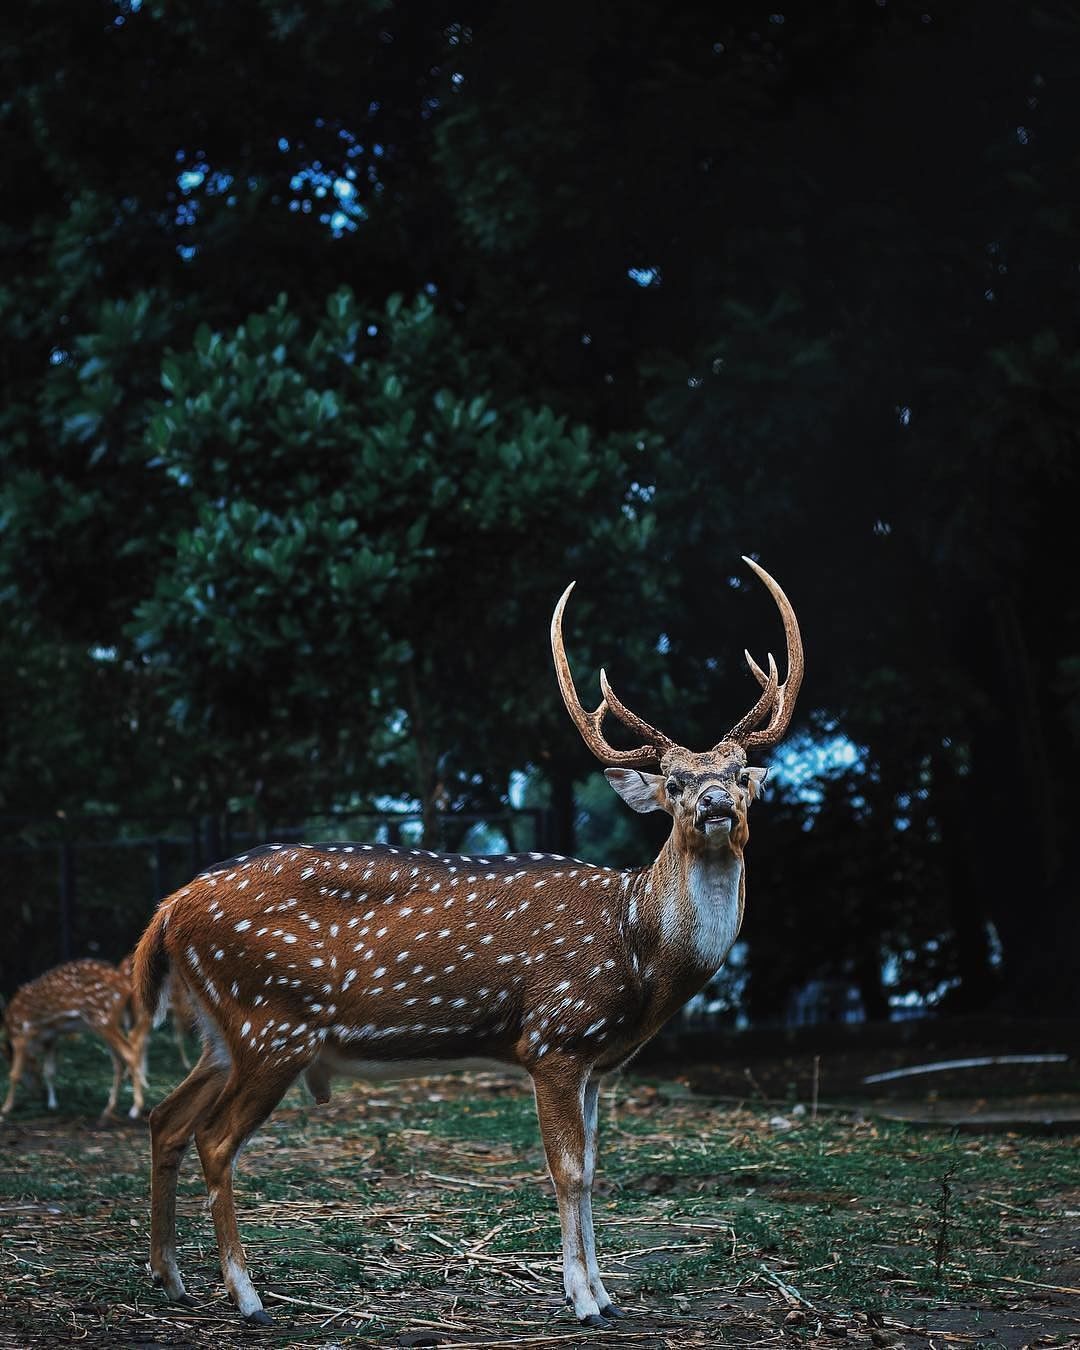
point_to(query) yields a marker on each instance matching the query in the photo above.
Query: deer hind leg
(596, 1284)
(560, 1104)
(125, 1059)
(18, 1066)
(245, 1102)
(172, 1125)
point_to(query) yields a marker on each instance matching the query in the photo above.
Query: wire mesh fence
(87, 886)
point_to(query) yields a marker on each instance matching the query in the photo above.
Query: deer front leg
(560, 1104)
(109, 1112)
(48, 1072)
(591, 1112)
(178, 1037)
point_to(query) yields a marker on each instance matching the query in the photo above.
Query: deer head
(708, 793)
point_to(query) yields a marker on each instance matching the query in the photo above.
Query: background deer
(181, 1015)
(371, 960)
(85, 995)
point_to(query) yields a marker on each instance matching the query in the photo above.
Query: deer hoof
(595, 1320)
(183, 1301)
(259, 1318)
(612, 1311)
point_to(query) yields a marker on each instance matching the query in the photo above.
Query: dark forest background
(339, 337)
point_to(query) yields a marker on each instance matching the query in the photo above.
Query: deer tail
(149, 977)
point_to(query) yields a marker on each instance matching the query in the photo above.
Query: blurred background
(339, 338)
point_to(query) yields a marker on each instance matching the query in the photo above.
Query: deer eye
(674, 787)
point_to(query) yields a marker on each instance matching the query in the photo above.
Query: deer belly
(338, 1061)
(66, 1023)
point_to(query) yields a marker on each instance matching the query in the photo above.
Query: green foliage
(336, 489)
(322, 559)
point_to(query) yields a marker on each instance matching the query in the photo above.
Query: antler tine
(589, 724)
(764, 704)
(758, 673)
(786, 693)
(629, 719)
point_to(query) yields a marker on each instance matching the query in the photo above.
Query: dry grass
(424, 1208)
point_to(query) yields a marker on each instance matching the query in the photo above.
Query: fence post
(67, 897)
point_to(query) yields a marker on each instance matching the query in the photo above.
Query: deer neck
(687, 909)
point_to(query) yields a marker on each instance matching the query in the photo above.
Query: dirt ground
(363, 1235)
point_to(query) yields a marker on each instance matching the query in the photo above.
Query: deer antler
(589, 724)
(779, 698)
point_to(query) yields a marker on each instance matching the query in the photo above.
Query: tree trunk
(968, 905)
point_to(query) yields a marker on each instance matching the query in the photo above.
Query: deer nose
(714, 802)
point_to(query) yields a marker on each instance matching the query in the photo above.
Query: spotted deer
(376, 961)
(84, 995)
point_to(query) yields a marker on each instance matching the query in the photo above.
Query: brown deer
(376, 961)
(84, 995)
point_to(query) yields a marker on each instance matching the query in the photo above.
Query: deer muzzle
(714, 812)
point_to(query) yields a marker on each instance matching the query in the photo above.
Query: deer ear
(640, 790)
(754, 781)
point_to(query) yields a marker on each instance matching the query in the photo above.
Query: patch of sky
(101, 652)
(338, 190)
(637, 494)
(663, 644)
(58, 356)
(801, 764)
(645, 276)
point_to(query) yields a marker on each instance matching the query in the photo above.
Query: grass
(427, 1203)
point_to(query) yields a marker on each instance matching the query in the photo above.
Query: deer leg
(48, 1073)
(591, 1112)
(178, 1036)
(140, 1040)
(18, 1065)
(172, 1124)
(109, 1112)
(243, 1105)
(137, 1072)
(125, 1057)
(560, 1105)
